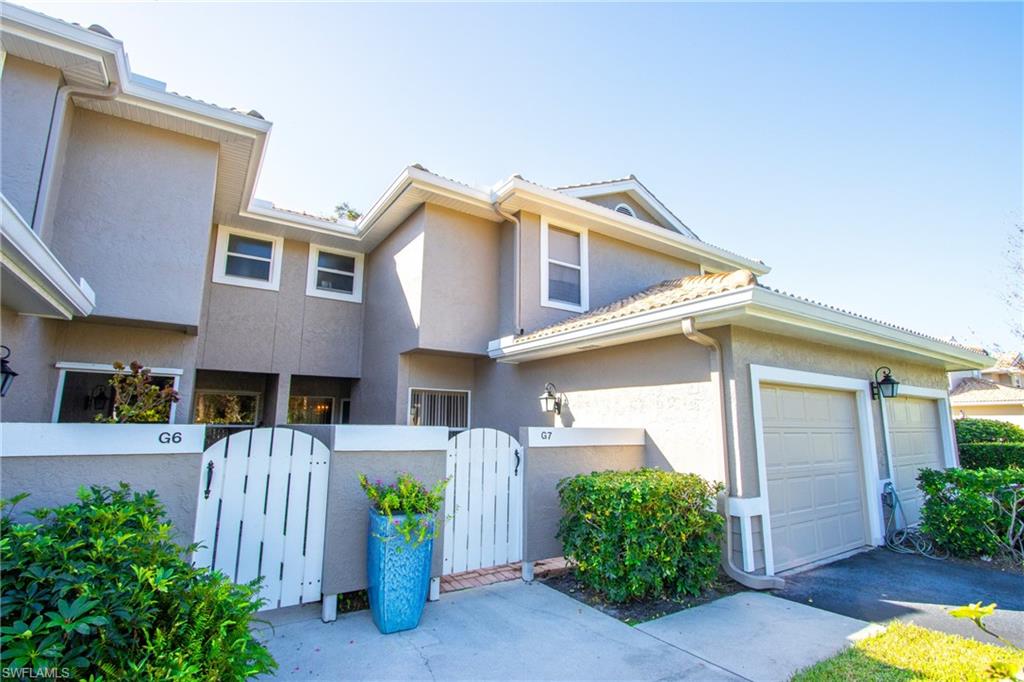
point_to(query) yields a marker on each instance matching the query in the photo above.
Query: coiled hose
(906, 539)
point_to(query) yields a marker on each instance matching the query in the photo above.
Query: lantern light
(550, 401)
(886, 387)
(6, 373)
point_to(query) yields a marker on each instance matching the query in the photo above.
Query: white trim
(636, 189)
(313, 268)
(57, 440)
(100, 368)
(745, 508)
(551, 437)
(220, 258)
(630, 211)
(390, 438)
(584, 267)
(865, 418)
(946, 431)
(469, 405)
(257, 412)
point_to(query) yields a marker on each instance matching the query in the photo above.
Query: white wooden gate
(262, 512)
(483, 501)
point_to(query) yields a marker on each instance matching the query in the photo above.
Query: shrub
(98, 588)
(974, 512)
(994, 455)
(410, 499)
(635, 534)
(987, 431)
(137, 400)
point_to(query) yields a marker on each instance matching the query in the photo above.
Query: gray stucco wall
(284, 331)
(544, 468)
(37, 344)
(53, 481)
(348, 509)
(133, 217)
(27, 91)
(614, 199)
(744, 347)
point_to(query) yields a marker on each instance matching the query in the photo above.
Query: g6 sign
(170, 437)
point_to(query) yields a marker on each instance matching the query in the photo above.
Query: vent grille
(625, 209)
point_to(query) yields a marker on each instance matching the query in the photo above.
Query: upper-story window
(564, 277)
(334, 273)
(626, 209)
(247, 259)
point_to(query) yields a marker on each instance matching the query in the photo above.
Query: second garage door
(916, 444)
(815, 477)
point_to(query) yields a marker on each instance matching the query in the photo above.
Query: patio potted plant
(399, 549)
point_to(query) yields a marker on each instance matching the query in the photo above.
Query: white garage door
(815, 481)
(916, 444)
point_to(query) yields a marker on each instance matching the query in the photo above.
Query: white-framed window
(227, 408)
(247, 259)
(334, 273)
(84, 391)
(439, 407)
(564, 276)
(626, 209)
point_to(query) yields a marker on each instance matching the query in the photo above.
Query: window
(334, 273)
(84, 391)
(564, 277)
(247, 259)
(626, 209)
(227, 408)
(438, 407)
(304, 409)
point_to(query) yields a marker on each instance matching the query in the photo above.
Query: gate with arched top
(262, 512)
(483, 501)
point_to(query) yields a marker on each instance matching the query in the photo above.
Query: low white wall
(544, 437)
(389, 438)
(58, 440)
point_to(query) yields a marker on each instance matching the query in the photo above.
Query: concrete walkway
(881, 585)
(519, 631)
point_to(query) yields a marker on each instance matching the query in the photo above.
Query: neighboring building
(130, 232)
(996, 392)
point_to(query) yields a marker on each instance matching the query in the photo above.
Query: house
(130, 231)
(995, 392)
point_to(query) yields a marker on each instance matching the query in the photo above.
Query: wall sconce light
(550, 401)
(886, 387)
(6, 373)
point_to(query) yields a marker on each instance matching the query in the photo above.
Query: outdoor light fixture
(7, 373)
(886, 387)
(550, 401)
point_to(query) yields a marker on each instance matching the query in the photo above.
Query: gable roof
(734, 298)
(972, 391)
(1010, 360)
(632, 186)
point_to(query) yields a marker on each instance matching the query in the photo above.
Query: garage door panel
(916, 440)
(815, 480)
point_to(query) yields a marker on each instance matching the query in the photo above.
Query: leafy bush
(974, 512)
(634, 534)
(987, 431)
(137, 400)
(994, 455)
(408, 498)
(99, 589)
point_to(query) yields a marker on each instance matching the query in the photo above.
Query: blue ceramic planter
(398, 576)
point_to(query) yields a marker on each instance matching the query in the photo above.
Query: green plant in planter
(137, 400)
(410, 499)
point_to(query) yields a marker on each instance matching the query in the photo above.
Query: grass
(908, 652)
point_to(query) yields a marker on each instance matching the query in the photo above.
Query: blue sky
(870, 153)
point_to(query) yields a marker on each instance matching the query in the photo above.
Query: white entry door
(483, 501)
(916, 440)
(262, 512)
(815, 479)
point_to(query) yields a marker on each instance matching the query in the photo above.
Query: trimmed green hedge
(994, 455)
(643, 533)
(960, 511)
(987, 431)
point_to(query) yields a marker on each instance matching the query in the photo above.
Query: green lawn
(908, 652)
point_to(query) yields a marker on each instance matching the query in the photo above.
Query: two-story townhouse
(443, 305)
(996, 392)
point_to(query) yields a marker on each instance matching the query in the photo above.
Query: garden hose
(908, 539)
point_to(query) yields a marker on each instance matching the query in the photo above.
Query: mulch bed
(999, 563)
(635, 612)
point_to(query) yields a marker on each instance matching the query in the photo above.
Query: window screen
(439, 408)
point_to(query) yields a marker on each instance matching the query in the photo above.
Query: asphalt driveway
(880, 586)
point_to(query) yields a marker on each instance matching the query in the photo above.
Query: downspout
(41, 214)
(755, 582)
(516, 274)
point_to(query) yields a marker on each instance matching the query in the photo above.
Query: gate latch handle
(209, 480)
(516, 472)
